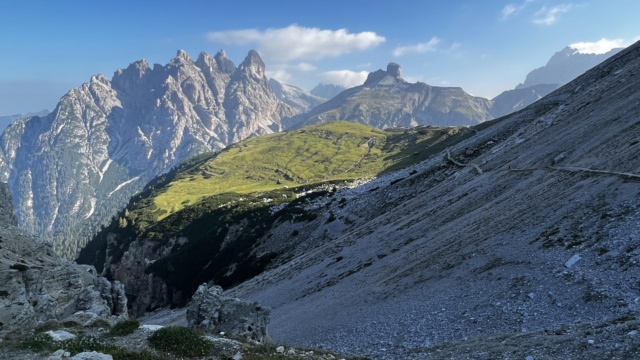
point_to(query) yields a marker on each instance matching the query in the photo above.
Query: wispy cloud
(418, 48)
(306, 67)
(599, 47)
(550, 15)
(296, 42)
(281, 75)
(510, 10)
(346, 78)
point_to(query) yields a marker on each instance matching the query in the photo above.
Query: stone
(60, 335)
(574, 259)
(39, 287)
(280, 349)
(237, 356)
(91, 355)
(394, 70)
(57, 355)
(214, 312)
(151, 328)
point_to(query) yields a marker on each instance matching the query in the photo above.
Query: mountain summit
(387, 100)
(73, 168)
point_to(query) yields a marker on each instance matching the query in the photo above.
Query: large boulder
(214, 312)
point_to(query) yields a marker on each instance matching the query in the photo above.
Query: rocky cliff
(37, 286)
(71, 170)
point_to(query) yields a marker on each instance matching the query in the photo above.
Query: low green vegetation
(124, 327)
(43, 343)
(180, 341)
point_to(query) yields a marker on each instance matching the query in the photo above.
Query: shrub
(39, 343)
(124, 328)
(180, 341)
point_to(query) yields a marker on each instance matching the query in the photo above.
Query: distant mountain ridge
(294, 96)
(327, 91)
(6, 120)
(387, 100)
(564, 66)
(71, 169)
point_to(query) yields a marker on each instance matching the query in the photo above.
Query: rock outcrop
(37, 286)
(214, 312)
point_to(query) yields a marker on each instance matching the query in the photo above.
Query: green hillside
(208, 195)
(329, 152)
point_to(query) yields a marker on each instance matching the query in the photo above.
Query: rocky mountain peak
(394, 70)
(183, 55)
(224, 64)
(253, 62)
(206, 60)
(99, 78)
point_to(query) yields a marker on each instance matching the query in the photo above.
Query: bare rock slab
(214, 312)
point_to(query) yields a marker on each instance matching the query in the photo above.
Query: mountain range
(523, 224)
(70, 171)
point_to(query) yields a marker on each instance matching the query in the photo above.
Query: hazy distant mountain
(8, 119)
(73, 168)
(387, 100)
(327, 91)
(295, 97)
(564, 66)
(513, 100)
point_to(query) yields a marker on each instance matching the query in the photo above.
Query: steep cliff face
(36, 285)
(71, 170)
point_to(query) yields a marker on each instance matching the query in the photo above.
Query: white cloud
(549, 16)
(280, 75)
(346, 78)
(297, 42)
(598, 47)
(509, 10)
(417, 48)
(306, 67)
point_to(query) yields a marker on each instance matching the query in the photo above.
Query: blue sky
(485, 47)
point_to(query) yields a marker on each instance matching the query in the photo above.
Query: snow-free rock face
(214, 312)
(36, 285)
(386, 100)
(71, 170)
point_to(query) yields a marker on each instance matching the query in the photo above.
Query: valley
(388, 220)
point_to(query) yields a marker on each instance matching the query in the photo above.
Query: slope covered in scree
(546, 234)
